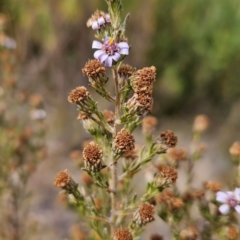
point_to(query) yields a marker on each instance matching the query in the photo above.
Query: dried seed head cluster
(94, 69)
(232, 232)
(63, 180)
(156, 237)
(83, 116)
(168, 197)
(125, 71)
(166, 140)
(167, 175)
(140, 103)
(142, 80)
(78, 95)
(235, 149)
(201, 123)
(213, 186)
(190, 233)
(149, 124)
(122, 234)
(124, 141)
(177, 154)
(92, 156)
(144, 214)
(109, 116)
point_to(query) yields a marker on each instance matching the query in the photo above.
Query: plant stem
(113, 167)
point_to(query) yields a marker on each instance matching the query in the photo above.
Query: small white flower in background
(38, 114)
(7, 42)
(229, 200)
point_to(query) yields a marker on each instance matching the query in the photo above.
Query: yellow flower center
(111, 41)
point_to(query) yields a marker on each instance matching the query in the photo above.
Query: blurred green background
(195, 46)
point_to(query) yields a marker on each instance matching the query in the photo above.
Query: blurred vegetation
(195, 47)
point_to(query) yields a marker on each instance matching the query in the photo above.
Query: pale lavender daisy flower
(98, 19)
(109, 50)
(229, 200)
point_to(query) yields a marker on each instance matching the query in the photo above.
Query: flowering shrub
(110, 161)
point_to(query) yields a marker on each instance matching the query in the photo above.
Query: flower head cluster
(94, 70)
(167, 175)
(149, 124)
(78, 95)
(144, 214)
(235, 149)
(124, 141)
(98, 20)
(142, 83)
(229, 200)
(64, 181)
(166, 140)
(190, 233)
(110, 51)
(177, 154)
(92, 156)
(125, 71)
(122, 234)
(142, 80)
(201, 123)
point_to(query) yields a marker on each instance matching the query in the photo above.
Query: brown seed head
(168, 139)
(92, 154)
(122, 234)
(94, 69)
(165, 196)
(140, 103)
(235, 149)
(148, 125)
(177, 154)
(142, 80)
(83, 116)
(156, 237)
(213, 186)
(145, 214)
(109, 116)
(78, 95)
(189, 233)
(177, 203)
(197, 194)
(201, 123)
(125, 71)
(232, 233)
(77, 233)
(167, 174)
(124, 141)
(62, 179)
(35, 100)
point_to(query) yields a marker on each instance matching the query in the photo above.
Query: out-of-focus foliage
(196, 48)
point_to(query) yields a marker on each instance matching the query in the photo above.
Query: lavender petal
(108, 18)
(97, 54)
(237, 208)
(116, 56)
(124, 51)
(96, 45)
(237, 193)
(222, 197)
(103, 57)
(224, 209)
(108, 62)
(95, 25)
(123, 45)
(101, 21)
